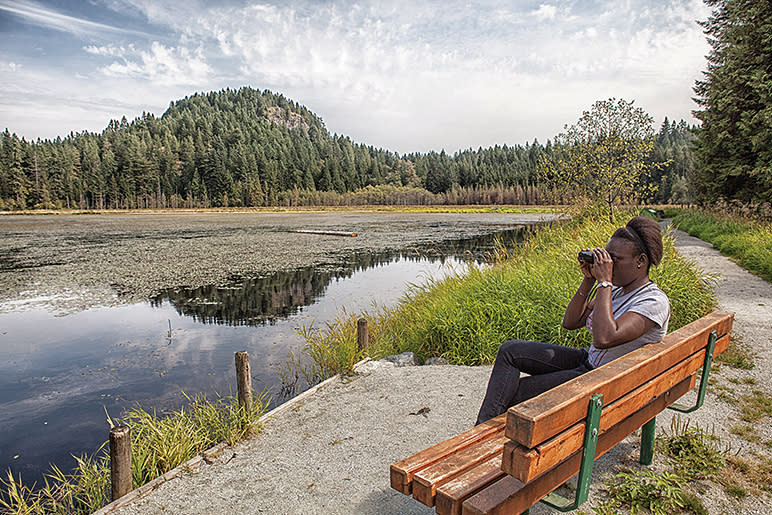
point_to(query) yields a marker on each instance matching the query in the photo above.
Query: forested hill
(249, 148)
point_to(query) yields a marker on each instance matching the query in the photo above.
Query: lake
(62, 368)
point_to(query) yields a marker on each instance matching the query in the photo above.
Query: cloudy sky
(402, 75)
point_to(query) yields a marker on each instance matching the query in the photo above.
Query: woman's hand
(603, 267)
(586, 268)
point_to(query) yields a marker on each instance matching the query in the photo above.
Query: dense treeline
(674, 177)
(251, 148)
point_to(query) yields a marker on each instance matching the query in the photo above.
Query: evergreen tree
(734, 143)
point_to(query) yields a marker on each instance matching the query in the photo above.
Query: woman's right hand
(586, 268)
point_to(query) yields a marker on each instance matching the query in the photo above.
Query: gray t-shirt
(649, 301)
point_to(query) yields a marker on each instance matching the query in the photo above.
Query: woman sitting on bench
(628, 311)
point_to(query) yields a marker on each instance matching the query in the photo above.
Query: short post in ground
(244, 380)
(120, 461)
(363, 334)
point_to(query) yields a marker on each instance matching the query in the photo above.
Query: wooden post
(120, 461)
(244, 380)
(363, 334)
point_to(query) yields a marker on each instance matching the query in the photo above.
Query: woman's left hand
(603, 267)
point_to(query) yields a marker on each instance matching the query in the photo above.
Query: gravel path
(330, 453)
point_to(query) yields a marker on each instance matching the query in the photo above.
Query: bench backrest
(534, 421)
(555, 420)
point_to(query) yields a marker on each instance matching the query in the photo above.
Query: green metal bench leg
(647, 441)
(591, 430)
(703, 379)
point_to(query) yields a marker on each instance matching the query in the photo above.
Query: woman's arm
(579, 307)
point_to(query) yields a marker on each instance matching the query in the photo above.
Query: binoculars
(587, 256)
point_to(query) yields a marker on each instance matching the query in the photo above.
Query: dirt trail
(331, 452)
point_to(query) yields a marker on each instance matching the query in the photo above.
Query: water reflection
(260, 300)
(58, 375)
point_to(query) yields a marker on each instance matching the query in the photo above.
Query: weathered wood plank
(510, 495)
(450, 495)
(536, 420)
(722, 344)
(329, 233)
(402, 471)
(426, 481)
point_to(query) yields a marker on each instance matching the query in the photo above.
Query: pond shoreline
(112, 351)
(331, 454)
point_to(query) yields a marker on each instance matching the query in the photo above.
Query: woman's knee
(511, 349)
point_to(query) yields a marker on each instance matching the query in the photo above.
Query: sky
(406, 76)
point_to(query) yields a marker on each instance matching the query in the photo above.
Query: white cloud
(49, 18)
(371, 71)
(419, 75)
(107, 50)
(546, 12)
(160, 64)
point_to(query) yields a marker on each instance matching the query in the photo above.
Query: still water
(59, 376)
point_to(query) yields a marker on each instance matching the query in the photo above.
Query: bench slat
(426, 481)
(536, 420)
(510, 495)
(450, 495)
(402, 471)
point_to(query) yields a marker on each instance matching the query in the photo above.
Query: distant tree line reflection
(264, 299)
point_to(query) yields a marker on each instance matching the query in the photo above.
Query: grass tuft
(692, 451)
(646, 490)
(746, 432)
(743, 476)
(756, 406)
(737, 355)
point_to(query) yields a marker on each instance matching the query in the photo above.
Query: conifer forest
(258, 148)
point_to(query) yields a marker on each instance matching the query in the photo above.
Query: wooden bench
(513, 461)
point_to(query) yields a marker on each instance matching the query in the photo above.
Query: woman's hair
(646, 235)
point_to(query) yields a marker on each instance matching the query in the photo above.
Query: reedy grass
(158, 444)
(747, 241)
(465, 316)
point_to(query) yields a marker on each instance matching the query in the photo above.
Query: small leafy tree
(603, 156)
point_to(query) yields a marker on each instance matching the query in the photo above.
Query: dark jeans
(549, 366)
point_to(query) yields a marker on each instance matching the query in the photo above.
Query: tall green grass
(747, 241)
(523, 294)
(158, 444)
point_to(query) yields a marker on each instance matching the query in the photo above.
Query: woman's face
(626, 260)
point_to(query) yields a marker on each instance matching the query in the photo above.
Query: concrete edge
(195, 462)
